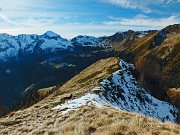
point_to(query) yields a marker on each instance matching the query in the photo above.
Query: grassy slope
(40, 119)
(164, 58)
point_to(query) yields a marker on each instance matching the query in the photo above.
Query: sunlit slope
(98, 115)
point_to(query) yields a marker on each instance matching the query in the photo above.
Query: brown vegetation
(174, 94)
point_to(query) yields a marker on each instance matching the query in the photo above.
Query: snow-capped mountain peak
(50, 34)
(83, 40)
(10, 46)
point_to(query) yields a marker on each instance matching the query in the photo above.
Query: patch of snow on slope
(121, 91)
(27, 42)
(8, 46)
(88, 99)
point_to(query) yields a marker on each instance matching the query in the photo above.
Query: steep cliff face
(156, 54)
(121, 90)
(160, 64)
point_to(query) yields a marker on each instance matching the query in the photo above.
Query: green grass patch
(113, 69)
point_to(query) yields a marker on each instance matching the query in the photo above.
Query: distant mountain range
(13, 46)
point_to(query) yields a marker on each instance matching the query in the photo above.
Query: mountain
(12, 46)
(37, 66)
(87, 41)
(32, 62)
(156, 55)
(104, 96)
(120, 89)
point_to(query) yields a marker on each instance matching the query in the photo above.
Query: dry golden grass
(90, 77)
(43, 92)
(112, 122)
(89, 120)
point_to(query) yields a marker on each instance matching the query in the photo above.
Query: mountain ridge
(11, 45)
(45, 117)
(49, 41)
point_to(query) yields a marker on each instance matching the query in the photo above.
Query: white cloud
(144, 5)
(132, 4)
(143, 21)
(70, 30)
(5, 18)
(32, 8)
(169, 1)
(32, 16)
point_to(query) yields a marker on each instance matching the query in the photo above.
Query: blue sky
(70, 18)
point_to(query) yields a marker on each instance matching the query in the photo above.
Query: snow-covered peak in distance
(50, 34)
(11, 46)
(83, 40)
(50, 41)
(54, 41)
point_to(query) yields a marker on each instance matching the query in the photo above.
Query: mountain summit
(50, 34)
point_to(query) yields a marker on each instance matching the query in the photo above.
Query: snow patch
(121, 90)
(88, 99)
